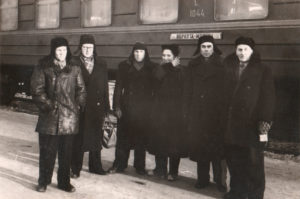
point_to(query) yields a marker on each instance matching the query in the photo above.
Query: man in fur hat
(94, 72)
(203, 102)
(249, 98)
(132, 104)
(57, 88)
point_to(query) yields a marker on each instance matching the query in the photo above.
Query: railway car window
(9, 15)
(47, 14)
(240, 9)
(158, 11)
(96, 13)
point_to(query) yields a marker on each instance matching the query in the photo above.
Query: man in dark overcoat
(132, 105)
(90, 135)
(204, 99)
(249, 99)
(58, 90)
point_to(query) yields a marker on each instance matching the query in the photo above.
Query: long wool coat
(203, 99)
(58, 95)
(133, 96)
(248, 101)
(97, 104)
(168, 136)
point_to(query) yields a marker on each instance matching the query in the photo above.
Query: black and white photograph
(150, 99)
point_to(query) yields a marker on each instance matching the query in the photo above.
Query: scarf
(88, 63)
(61, 64)
(138, 65)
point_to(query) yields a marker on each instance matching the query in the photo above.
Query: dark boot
(41, 188)
(68, 188)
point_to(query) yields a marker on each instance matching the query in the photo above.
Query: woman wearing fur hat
(132, 105)
(249, 99)
(168, 139)
(94, 73)
(58, 90)
(203, 102)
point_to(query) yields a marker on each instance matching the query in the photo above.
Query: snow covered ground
(19, 172)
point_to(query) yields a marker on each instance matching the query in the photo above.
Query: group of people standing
(212, 111)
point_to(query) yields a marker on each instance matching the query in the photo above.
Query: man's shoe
(221, 188)
(68, 188)
(172, 177)
(74, 175)
(41, 188)
(232, 195)
(113, 170)
(201, 185)
(228, 195)
(141, 171)
(150, 172)
(99, 171)
(156, 173)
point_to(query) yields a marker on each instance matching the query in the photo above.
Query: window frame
(16, 27)
(142, 23)
(241, 19)
(82, 17)
(36, 16)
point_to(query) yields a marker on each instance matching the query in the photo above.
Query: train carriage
(27, 26)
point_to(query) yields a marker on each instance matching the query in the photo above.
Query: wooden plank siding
(115, 44)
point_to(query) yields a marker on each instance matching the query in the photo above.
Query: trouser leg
(256, 183)
(48, 149)
(237, 160)
(118, 152)
(64, 159)
(115, 163)
(220, 171)
(161, 165)
(123, 156)
(174, 165)
(203, 171)
(95, 160)
(122, 149)
(139, 157)
(77, 154)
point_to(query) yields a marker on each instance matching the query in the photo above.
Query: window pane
(9, 14)
(240, 9)
(47, 14)
(158, 11)
(95, 13)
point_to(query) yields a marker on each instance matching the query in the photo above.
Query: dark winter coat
(97, 104)
(133, 95)
(168, 136)
(248, 101)
(58, 95)
(203, 101)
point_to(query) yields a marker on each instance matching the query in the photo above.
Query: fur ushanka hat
(246, 41)
(207, 38)
(58, 42)
(173, 47)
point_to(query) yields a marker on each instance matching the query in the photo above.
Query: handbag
(109, 129)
